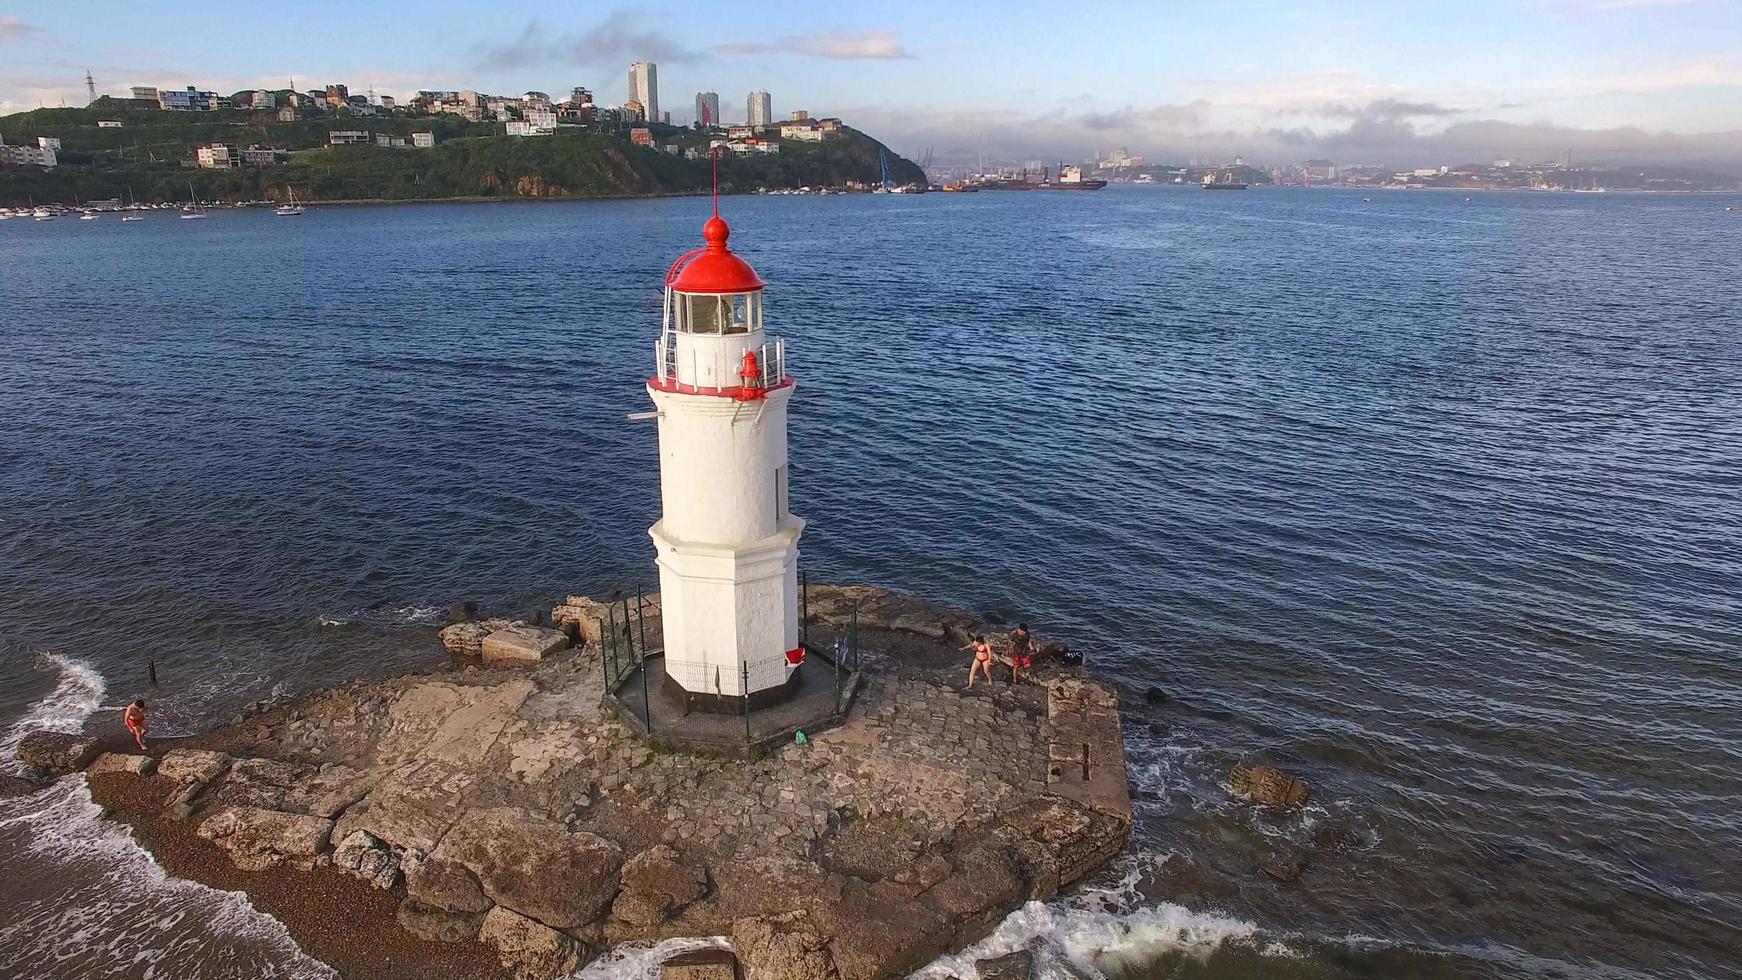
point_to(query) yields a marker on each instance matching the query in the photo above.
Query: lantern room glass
(714, 314)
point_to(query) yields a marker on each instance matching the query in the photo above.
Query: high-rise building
(644, 87)
(707, 108)
(760, 110)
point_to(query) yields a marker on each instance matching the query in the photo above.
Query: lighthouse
(727, 544)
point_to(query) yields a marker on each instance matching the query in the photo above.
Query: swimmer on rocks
(982, 660)
(133, 716)
(1021, 652)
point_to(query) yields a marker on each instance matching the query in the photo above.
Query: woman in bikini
(982, 660)
(134, 718)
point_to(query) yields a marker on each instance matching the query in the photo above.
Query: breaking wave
(76, 695)
(84, 899)
(409, 615)
(642, 962)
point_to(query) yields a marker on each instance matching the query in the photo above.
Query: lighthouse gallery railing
(770, 360)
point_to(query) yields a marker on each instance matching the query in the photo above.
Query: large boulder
(57, 753)
(874, 938)
(437, 924)
(257, 839)
(655, 885)
(410, 809)
(138, 765)
(368, 857)
(11, 786)
(467, 639)
(192, 765)
(871, 849)
(700, 964)
(532, 950)
(523, 644)
(1011, 966)
(1268, 786)
(782, 947)
(586, 616)
(445, 884)
(534, 865)
(982, 889)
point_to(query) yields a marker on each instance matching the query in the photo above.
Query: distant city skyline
(759, 109)
(1602, 79)
(644, 87)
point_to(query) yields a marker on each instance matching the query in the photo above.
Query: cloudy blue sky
(1366, 82)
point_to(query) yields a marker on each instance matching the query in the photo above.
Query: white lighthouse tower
(728, 546)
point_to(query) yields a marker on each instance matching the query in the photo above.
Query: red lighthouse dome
(713, 268)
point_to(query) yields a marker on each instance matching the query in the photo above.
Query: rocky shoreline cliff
(503, 814)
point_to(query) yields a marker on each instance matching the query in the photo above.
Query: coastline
(333, 917)
(916, 852)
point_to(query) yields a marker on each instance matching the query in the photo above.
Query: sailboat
(132, 205)
(292, 207)
(886, 184)
(194, 210)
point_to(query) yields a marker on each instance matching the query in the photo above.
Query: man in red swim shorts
(1021, 651)
(134, 719)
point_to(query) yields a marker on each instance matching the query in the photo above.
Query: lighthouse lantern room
(727, 545)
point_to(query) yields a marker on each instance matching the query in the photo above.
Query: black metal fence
(628, 668)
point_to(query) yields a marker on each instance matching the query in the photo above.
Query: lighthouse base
(728, 704)
(730, 614)
(817, 697)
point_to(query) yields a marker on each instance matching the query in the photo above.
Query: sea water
(1436, 503)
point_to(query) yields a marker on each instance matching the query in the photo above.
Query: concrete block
(523, 644)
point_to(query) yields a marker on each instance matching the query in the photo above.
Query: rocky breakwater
(500, 807)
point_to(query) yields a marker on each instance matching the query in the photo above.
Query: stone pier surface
(505, 804)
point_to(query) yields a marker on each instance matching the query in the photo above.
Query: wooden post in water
(151, 671)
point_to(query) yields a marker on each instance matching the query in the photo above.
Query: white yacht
(291, 208)
(193, 210)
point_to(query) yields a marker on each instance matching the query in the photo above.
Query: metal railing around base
(623, 649)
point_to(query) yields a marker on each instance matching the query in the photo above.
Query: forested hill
(151, 153)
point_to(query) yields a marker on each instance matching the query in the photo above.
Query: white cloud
(844, 45)
(13, 29)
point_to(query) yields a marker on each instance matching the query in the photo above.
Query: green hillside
(150, 155)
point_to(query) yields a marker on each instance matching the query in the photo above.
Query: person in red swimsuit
(134, 718)
(982, 660)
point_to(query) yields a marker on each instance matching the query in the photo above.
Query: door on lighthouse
(780, 493)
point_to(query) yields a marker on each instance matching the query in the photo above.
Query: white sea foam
(1098, 932)
(78, 690)
(642, 962)
(1072, 941)
(408, 615)
(83, 899)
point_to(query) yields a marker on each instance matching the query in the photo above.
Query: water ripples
(1437, 503)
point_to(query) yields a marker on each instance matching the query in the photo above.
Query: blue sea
(1435, 501)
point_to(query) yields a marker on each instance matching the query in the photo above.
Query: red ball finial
(715, 232)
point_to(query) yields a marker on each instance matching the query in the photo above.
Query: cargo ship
(1070, 178)
(1223, 180)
